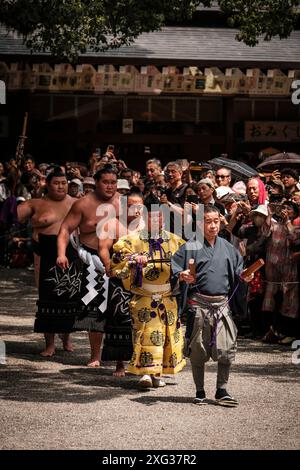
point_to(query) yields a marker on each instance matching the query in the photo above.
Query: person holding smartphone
(110, 153)
(281, 299)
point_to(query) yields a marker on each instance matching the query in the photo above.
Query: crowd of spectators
(260, 217)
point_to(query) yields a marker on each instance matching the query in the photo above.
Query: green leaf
(67, 28)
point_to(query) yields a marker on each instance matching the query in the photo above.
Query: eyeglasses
(138, 207)
(222, 176)
(150, 170)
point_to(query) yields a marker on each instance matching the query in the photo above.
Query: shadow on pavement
(278, 372)
(16, 330)
(90, 377)
(152, 400)
(67, 386)
(30, 351)
(256, 346)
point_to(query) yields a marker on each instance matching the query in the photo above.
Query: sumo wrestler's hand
(62, 262)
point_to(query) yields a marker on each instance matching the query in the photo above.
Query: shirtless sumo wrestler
(46, 216)
(83, 216)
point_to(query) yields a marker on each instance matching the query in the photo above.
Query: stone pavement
(58, 403)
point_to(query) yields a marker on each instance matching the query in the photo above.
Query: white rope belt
(156, 289)
(95, 266)
(85, 256)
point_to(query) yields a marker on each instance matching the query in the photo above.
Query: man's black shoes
(223, 398)
(200, 398)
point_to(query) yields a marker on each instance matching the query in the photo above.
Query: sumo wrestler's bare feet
(120, 369)
(66, 341)
(49, 350)
(93, 363)
(95, 343)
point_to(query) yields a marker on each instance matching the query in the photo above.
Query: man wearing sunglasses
(223, 177)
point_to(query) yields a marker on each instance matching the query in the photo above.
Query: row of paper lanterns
(146, 79)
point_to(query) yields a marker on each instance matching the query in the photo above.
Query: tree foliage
(267, 18)
(67, 28)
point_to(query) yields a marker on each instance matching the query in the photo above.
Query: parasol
(280, 160)
(239, 170)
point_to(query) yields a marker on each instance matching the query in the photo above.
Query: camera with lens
(192, 198)
(34, 179)
(242, 197)
(276, 210)
(160, 190)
